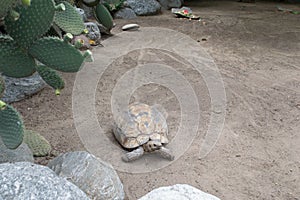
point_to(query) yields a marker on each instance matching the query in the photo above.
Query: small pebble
(130, 27)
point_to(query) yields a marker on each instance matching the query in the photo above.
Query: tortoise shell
(140, 124)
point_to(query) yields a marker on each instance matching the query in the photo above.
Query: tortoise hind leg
(166, 153)
(133, 155)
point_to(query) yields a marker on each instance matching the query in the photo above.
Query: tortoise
(142, 128)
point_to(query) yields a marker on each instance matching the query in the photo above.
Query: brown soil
(256, 49)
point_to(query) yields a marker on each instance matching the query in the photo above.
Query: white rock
(25, 180)
(178, 192)
(130, 27)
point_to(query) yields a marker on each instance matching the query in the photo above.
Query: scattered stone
(22, 153)
(25, 180)
(17, 89)
(95, 177)
(168, 4)
(88, 11)
(130, 27)
(82, 14)
(178, 192)
(144, 7)
(125, 13)
(94, 32)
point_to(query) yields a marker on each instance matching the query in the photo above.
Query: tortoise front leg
(166, 153)
(133, 155)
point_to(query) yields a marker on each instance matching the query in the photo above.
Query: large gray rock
(125, 13)
(17, 89)
(168, 4)
(144, 7)
(93, 176)
(178, 192)
(24, 180)
(22, 153)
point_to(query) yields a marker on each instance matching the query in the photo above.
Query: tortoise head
(152, 145)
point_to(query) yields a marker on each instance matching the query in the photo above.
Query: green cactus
(17, 61)
(72, 2)
(6, 5)
(19, 51)
(37, 143)
(35, 20)
(69, 20)
(14, 61)
(51, 77)
(90, 3)
(57, 54)
(2, 86)
(26, 2)
(103, 16)
(11, 126)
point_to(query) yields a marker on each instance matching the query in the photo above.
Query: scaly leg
(166, 153)
(133, 155)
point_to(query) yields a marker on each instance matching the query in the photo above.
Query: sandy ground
(257, 50)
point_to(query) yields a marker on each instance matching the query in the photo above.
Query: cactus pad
(14, 62)
(90, 3)
(51, 77)
(69, 20)
(6, 5)
(37, 143)
(2, 86)
(34, 21)
(57, 54)
(11, 127)
(103, 16)
(72, 2)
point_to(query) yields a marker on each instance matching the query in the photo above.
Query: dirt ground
(257, 50)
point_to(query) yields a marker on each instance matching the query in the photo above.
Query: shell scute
(140, 124)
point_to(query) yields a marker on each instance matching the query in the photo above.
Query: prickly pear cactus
(69, 20)
(2, 86)
(72, 2)
(90, 3)
(34, 21)
(51, 77)
(37, 143)
(103, 16)
(14, 61)
(6, 5)
(11, 126)
(25, 24)
(57, 54)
